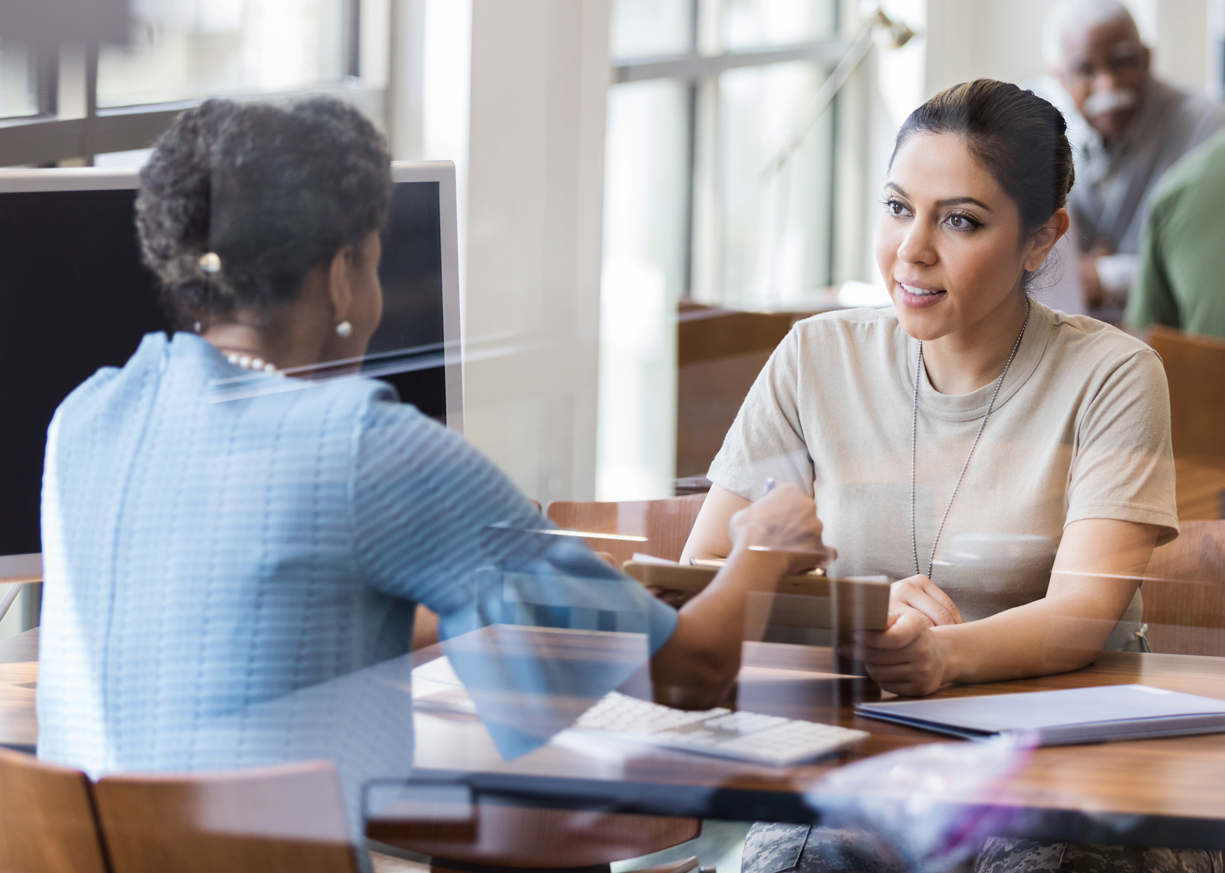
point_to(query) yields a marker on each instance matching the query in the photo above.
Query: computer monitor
(74, 296)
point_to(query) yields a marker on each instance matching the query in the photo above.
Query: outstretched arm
(766, 540)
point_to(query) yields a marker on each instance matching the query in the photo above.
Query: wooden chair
(47, 822)
(659, 526)
(1184, 592)
(1195, 370)
(287, 819)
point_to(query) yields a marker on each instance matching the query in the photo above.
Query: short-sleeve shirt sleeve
(1123, 467)
(424, 500)
(766, 441)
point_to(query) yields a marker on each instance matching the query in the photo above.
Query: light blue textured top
(230, 579)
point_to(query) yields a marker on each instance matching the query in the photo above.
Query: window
(191, 49)
(17, 94)
(72, 104)
(705, 94)
(746, 70)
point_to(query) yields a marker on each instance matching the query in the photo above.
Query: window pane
(775, 230)
(16, 81)
(749, 23)
(645, 197)
(641, 28)
(193, 48)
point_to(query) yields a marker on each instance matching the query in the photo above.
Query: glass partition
(234, 397)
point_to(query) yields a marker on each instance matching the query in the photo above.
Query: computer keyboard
(744, 736)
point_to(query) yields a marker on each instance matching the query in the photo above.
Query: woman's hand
(909, 658)
(922, 595)
(784, 522)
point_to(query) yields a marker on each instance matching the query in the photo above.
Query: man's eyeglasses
(1122, 61)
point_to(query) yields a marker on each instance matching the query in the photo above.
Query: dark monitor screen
(74, 297)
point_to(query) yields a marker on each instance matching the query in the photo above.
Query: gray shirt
(1114, 184)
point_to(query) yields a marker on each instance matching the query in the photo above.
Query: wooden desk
(1151, 792)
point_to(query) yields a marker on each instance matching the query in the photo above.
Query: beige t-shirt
(1080, 429)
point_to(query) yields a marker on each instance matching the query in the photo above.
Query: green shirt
(1182, 272)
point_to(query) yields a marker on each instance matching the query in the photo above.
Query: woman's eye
(894, 208)
(962, 222)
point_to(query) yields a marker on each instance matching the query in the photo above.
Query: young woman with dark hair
(1007, 464)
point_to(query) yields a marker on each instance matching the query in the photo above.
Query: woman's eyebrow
(958, 201)
(949, 201)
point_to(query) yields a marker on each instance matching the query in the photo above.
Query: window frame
(699, 70)
(52, 136)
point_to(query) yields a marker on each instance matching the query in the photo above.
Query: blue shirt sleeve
(433, 517)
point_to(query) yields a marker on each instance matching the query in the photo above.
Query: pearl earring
(344, 329)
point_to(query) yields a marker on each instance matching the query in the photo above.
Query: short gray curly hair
(273, 190)
(1068, 16)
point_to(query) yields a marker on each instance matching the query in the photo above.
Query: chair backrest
(664, 524)
(1184, 592)
(1195, 369)
(47, 822)
(287, 819)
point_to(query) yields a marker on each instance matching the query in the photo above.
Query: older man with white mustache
(1135, 128)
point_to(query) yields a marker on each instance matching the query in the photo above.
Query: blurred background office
(646, 198)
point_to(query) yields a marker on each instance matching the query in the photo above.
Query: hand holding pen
(783, 521)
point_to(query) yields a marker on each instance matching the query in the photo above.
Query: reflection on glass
(17, 95)
(775, 231)
(645, 249)
(181, 49)
(749, 23)
(643, 28)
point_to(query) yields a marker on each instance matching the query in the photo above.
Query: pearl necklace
(914, 440)
(251, 362)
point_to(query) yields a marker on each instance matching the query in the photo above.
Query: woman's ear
(340, 283)
(1044, 239)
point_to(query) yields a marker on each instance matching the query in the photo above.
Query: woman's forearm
(1052, 635)
(695, 667)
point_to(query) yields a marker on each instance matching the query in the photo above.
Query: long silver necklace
(914, 441)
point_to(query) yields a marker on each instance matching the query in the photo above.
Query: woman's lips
(914, 297)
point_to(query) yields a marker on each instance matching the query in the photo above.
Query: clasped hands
(908, 658)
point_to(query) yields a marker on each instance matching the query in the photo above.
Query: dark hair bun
(1018, 136)
(274, 191)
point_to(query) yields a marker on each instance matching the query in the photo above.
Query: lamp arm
(828, 91)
